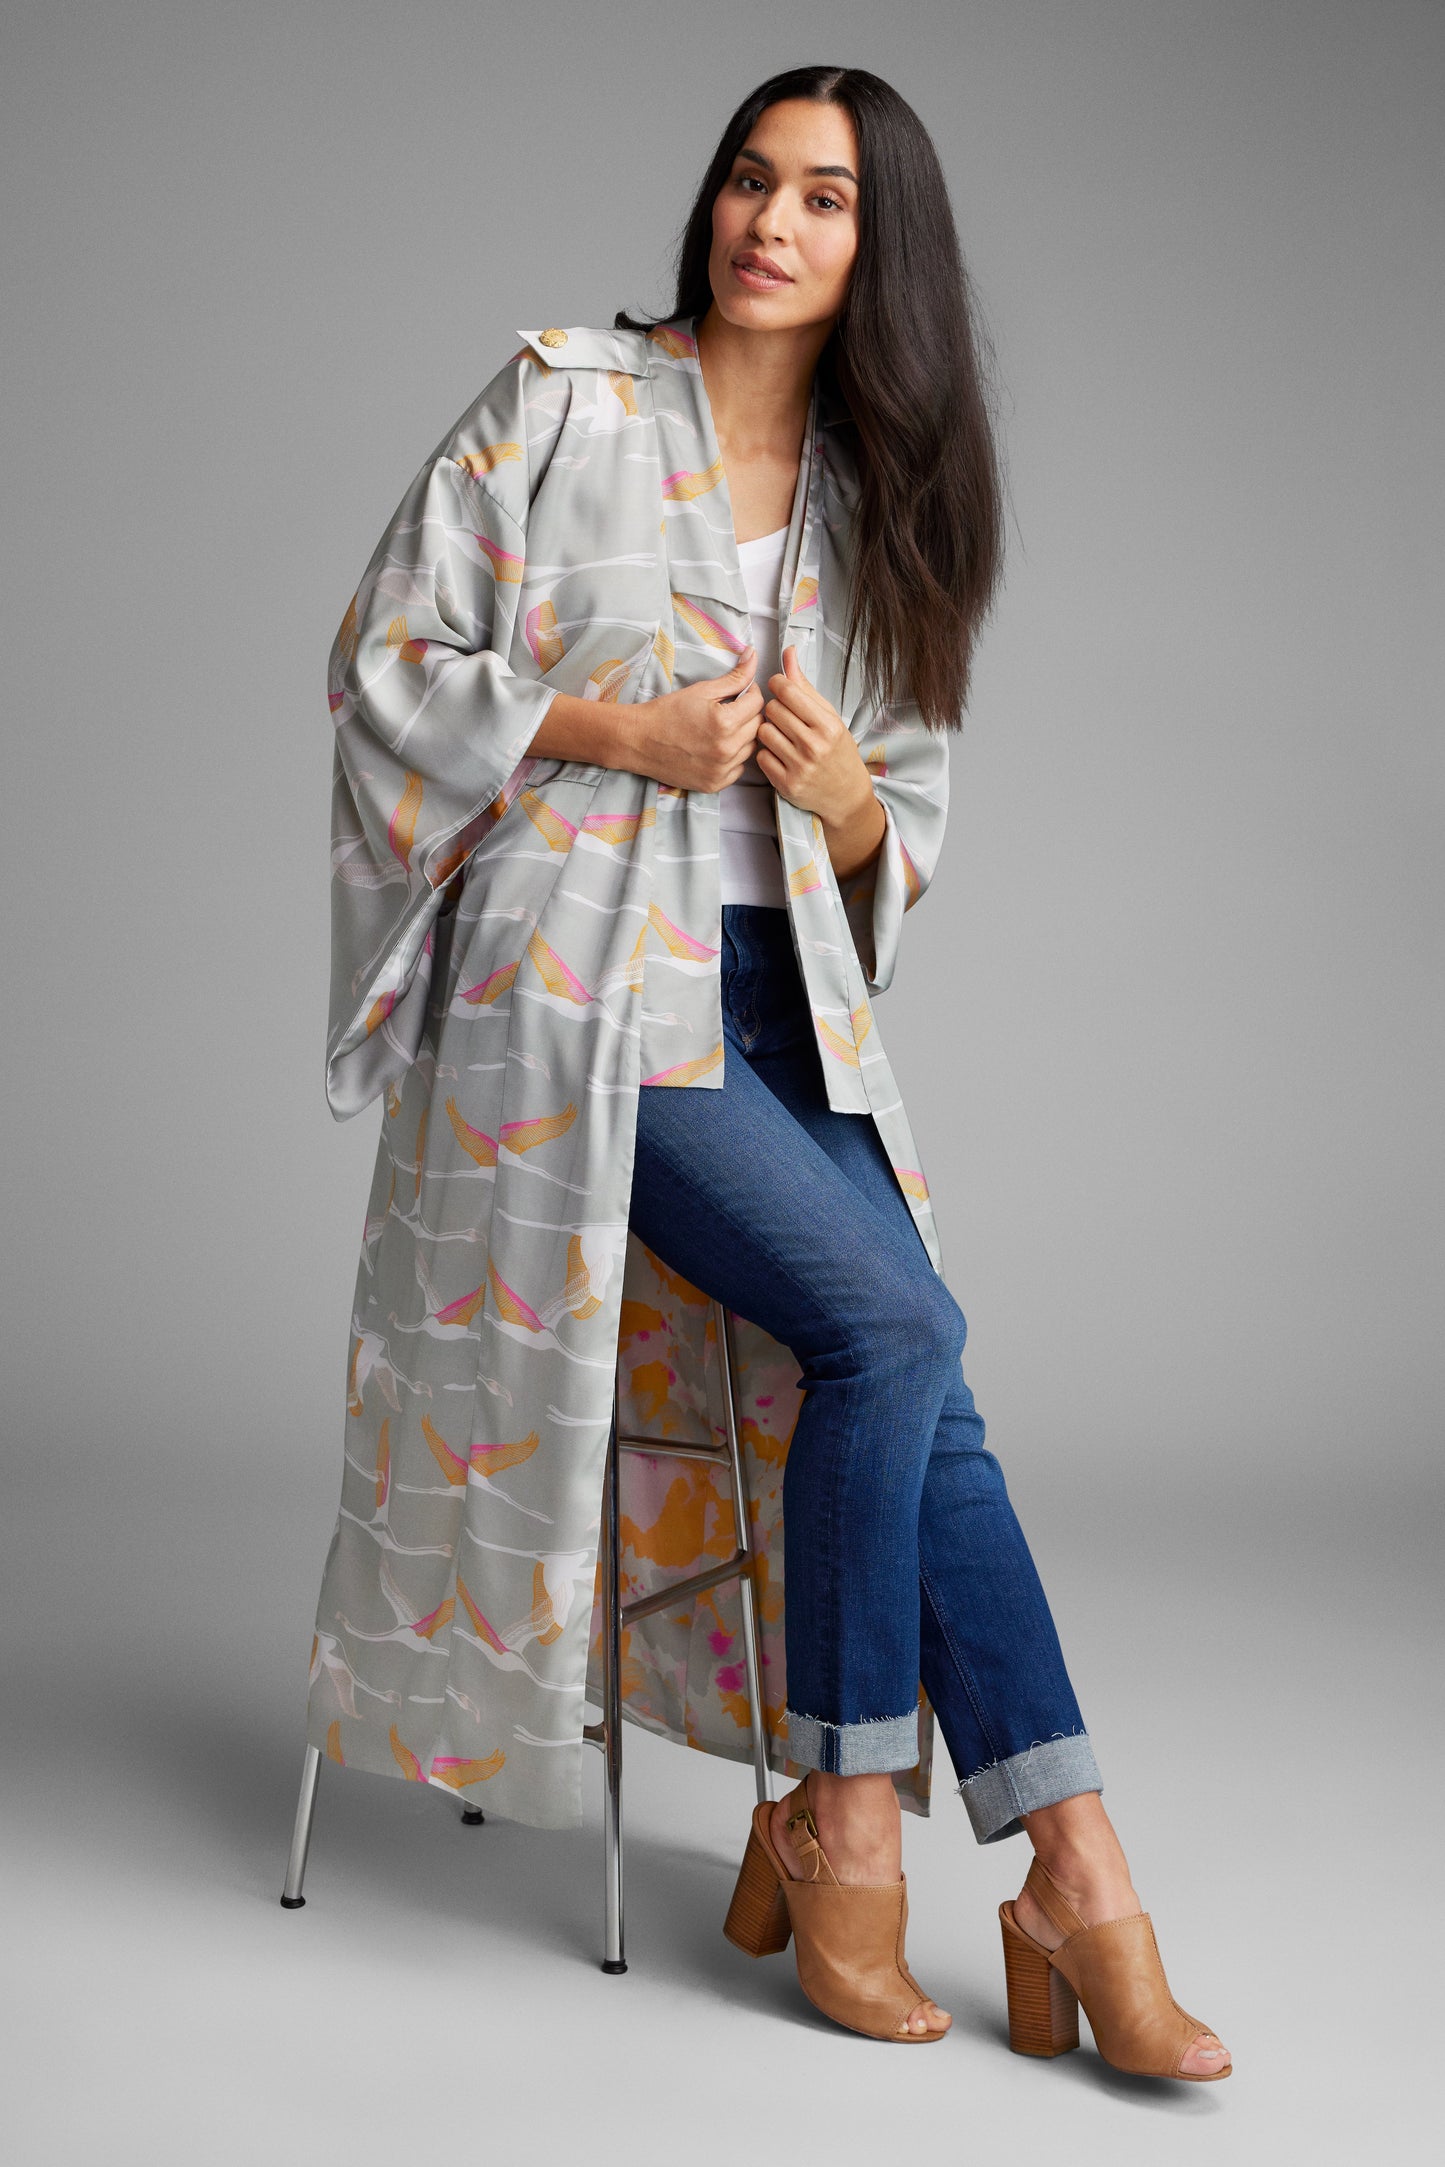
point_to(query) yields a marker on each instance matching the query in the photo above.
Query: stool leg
(613, 1959)
(755, 1689)
(752, 1646)
(291, 1897)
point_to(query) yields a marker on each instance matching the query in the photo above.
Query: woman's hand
(807, 753)
(700, 736)
(697, 738)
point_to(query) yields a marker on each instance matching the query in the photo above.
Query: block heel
(847, 1936)
(1043, 2009)
(757, 1919)
(1114, 1969)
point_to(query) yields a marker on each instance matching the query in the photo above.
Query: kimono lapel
(682, 1034)
(700, 532)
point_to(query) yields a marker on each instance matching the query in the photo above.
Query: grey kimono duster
(519, 946)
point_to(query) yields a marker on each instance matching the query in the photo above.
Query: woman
(806, 436)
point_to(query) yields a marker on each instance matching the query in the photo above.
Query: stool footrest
(676, 1450)
(682, 1590)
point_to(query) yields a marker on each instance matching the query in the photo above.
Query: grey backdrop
(257, 259)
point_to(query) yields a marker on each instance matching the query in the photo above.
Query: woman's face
(790, 203)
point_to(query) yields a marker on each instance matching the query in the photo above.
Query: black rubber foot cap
(292, 1903)
(472, 1816)
(614, 1966)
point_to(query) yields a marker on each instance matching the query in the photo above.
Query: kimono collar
(701, 539)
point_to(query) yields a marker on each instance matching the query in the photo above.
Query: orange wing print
(398, 637)
(509, 1304)
(546, 643)
(446, 1768)
(677, 345)
(682, 487)
(462, 1311)
(707, 628)
(836, 1044)
(554, 973)
(496, 1459)
(558, 833)
(687, 1072)
(454, 1468)
(577, 1295)
(494, 984)
(618, 827)
(401, 829)
(607, 680)
(485, 1632)
(489, 458)
(432, 1623)
(474, 1142)
(523, 1135)
(506, 566)
(675, 940)
(376, 1015)
(406, 1760)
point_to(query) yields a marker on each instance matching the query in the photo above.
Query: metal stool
(607, 1735)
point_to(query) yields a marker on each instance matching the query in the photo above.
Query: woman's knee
(941, 1327)
(920, 1329)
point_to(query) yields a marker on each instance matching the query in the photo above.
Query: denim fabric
(902, 1555)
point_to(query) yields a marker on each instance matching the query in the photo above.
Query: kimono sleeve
(909, 766)
(430, 721)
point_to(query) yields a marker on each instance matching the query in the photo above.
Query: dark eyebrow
(839, 172)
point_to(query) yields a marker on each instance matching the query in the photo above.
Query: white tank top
(751, 866)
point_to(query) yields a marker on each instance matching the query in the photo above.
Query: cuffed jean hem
(871, 1748)
(1055, 1768)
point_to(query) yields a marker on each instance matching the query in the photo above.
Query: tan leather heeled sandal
(1114, 1969)
(848, 1934)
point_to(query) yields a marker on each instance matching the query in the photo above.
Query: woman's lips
(748, 274)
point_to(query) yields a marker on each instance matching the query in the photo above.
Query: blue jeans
(902, 1557)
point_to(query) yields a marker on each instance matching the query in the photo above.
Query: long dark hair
(906, 358)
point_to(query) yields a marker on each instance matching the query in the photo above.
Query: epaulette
(585, 346)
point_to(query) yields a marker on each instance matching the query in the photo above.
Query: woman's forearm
(599, 733)
(856, 840)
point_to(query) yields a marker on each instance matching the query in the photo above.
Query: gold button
(552, 336)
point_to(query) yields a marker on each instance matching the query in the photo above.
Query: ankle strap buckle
(804, 1813)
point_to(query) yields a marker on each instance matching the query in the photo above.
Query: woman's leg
(989, 1654)
(731, 1192)
(990, 1658)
